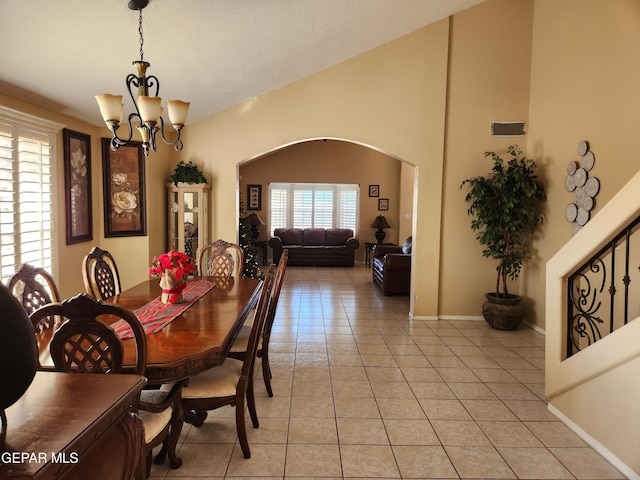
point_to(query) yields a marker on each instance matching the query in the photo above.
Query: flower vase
(171, 288)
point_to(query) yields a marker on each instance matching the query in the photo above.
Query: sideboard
(73, 426)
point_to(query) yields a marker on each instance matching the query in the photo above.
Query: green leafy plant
(506, 207)
(187, 173)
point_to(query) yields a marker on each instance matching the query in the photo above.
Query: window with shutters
(27, 151)
(305, 205)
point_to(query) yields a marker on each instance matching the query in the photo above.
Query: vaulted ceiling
(213, 53)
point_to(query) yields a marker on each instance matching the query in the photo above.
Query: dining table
(182, 339)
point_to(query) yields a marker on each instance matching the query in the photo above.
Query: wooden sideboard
(73, 426)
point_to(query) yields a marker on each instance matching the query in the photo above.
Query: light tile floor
(361, 391)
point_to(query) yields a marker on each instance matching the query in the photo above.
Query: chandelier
(148, 109)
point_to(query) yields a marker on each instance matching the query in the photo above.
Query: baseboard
(593, 443)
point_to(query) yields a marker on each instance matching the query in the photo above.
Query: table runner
(155, 315)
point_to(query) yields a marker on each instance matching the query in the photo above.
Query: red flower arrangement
(173, 267)
(178, 263)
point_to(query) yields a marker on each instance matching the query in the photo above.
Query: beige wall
(391, 98)
(331, 161)
(490, 57)
(583, 87)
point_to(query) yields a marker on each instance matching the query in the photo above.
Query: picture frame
(374, 190)
(383, 204)
(124, 190)
(77, 186)
(254, 197)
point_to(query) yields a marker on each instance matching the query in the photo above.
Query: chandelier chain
(141, 37)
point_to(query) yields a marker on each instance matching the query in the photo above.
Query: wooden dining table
(198, 339)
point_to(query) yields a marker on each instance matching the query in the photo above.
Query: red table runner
(155, 315)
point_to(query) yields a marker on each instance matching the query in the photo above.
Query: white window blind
(303, 205)
(27, 150)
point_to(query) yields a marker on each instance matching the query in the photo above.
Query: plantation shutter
(302, 205)
(27, 149)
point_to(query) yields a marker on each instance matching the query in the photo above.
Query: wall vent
(507, 129)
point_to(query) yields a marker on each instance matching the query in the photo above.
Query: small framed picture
(374, 190)
(254, 197)
(383, 204)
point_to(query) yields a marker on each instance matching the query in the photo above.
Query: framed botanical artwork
(254, 197)
(77, 186)
(383, 204)
(124, 191)
(374, 190)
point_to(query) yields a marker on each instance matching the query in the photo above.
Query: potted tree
(506, 206)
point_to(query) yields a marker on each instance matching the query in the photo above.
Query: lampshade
(111, 107)
(255, 220)
(150, 108)
(178, 111)
(380, 222)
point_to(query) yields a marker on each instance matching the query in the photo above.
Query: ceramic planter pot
(503, 313)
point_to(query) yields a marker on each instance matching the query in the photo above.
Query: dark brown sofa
(391, 268)
(331, 247)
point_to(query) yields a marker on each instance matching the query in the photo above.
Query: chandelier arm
(177, 143)
(116, 141)
(134, 81)
(150, 83)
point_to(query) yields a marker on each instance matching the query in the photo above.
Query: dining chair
(100, 274)
(231, 382)
(220, 258)
(85, 344)
(35, 287)
(239, 347)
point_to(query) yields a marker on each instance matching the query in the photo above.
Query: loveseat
(331, 247)
(391, 268)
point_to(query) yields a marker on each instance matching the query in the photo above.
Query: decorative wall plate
(569, 183)
(580, 177)
(592, 186)
(588, 159)
(583, 147)
(583, 217)
(189, 229)
(571, 212)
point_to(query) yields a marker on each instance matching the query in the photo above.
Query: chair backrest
(220, 258)
(83, 343)
(273, 304)
(35, 287)
(100, 273)
(258, 323)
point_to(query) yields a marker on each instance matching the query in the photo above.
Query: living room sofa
(391, 269)
(331, 247)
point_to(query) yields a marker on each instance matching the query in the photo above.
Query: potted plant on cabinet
(506, 206)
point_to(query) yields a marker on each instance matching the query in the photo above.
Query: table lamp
(380, 223)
